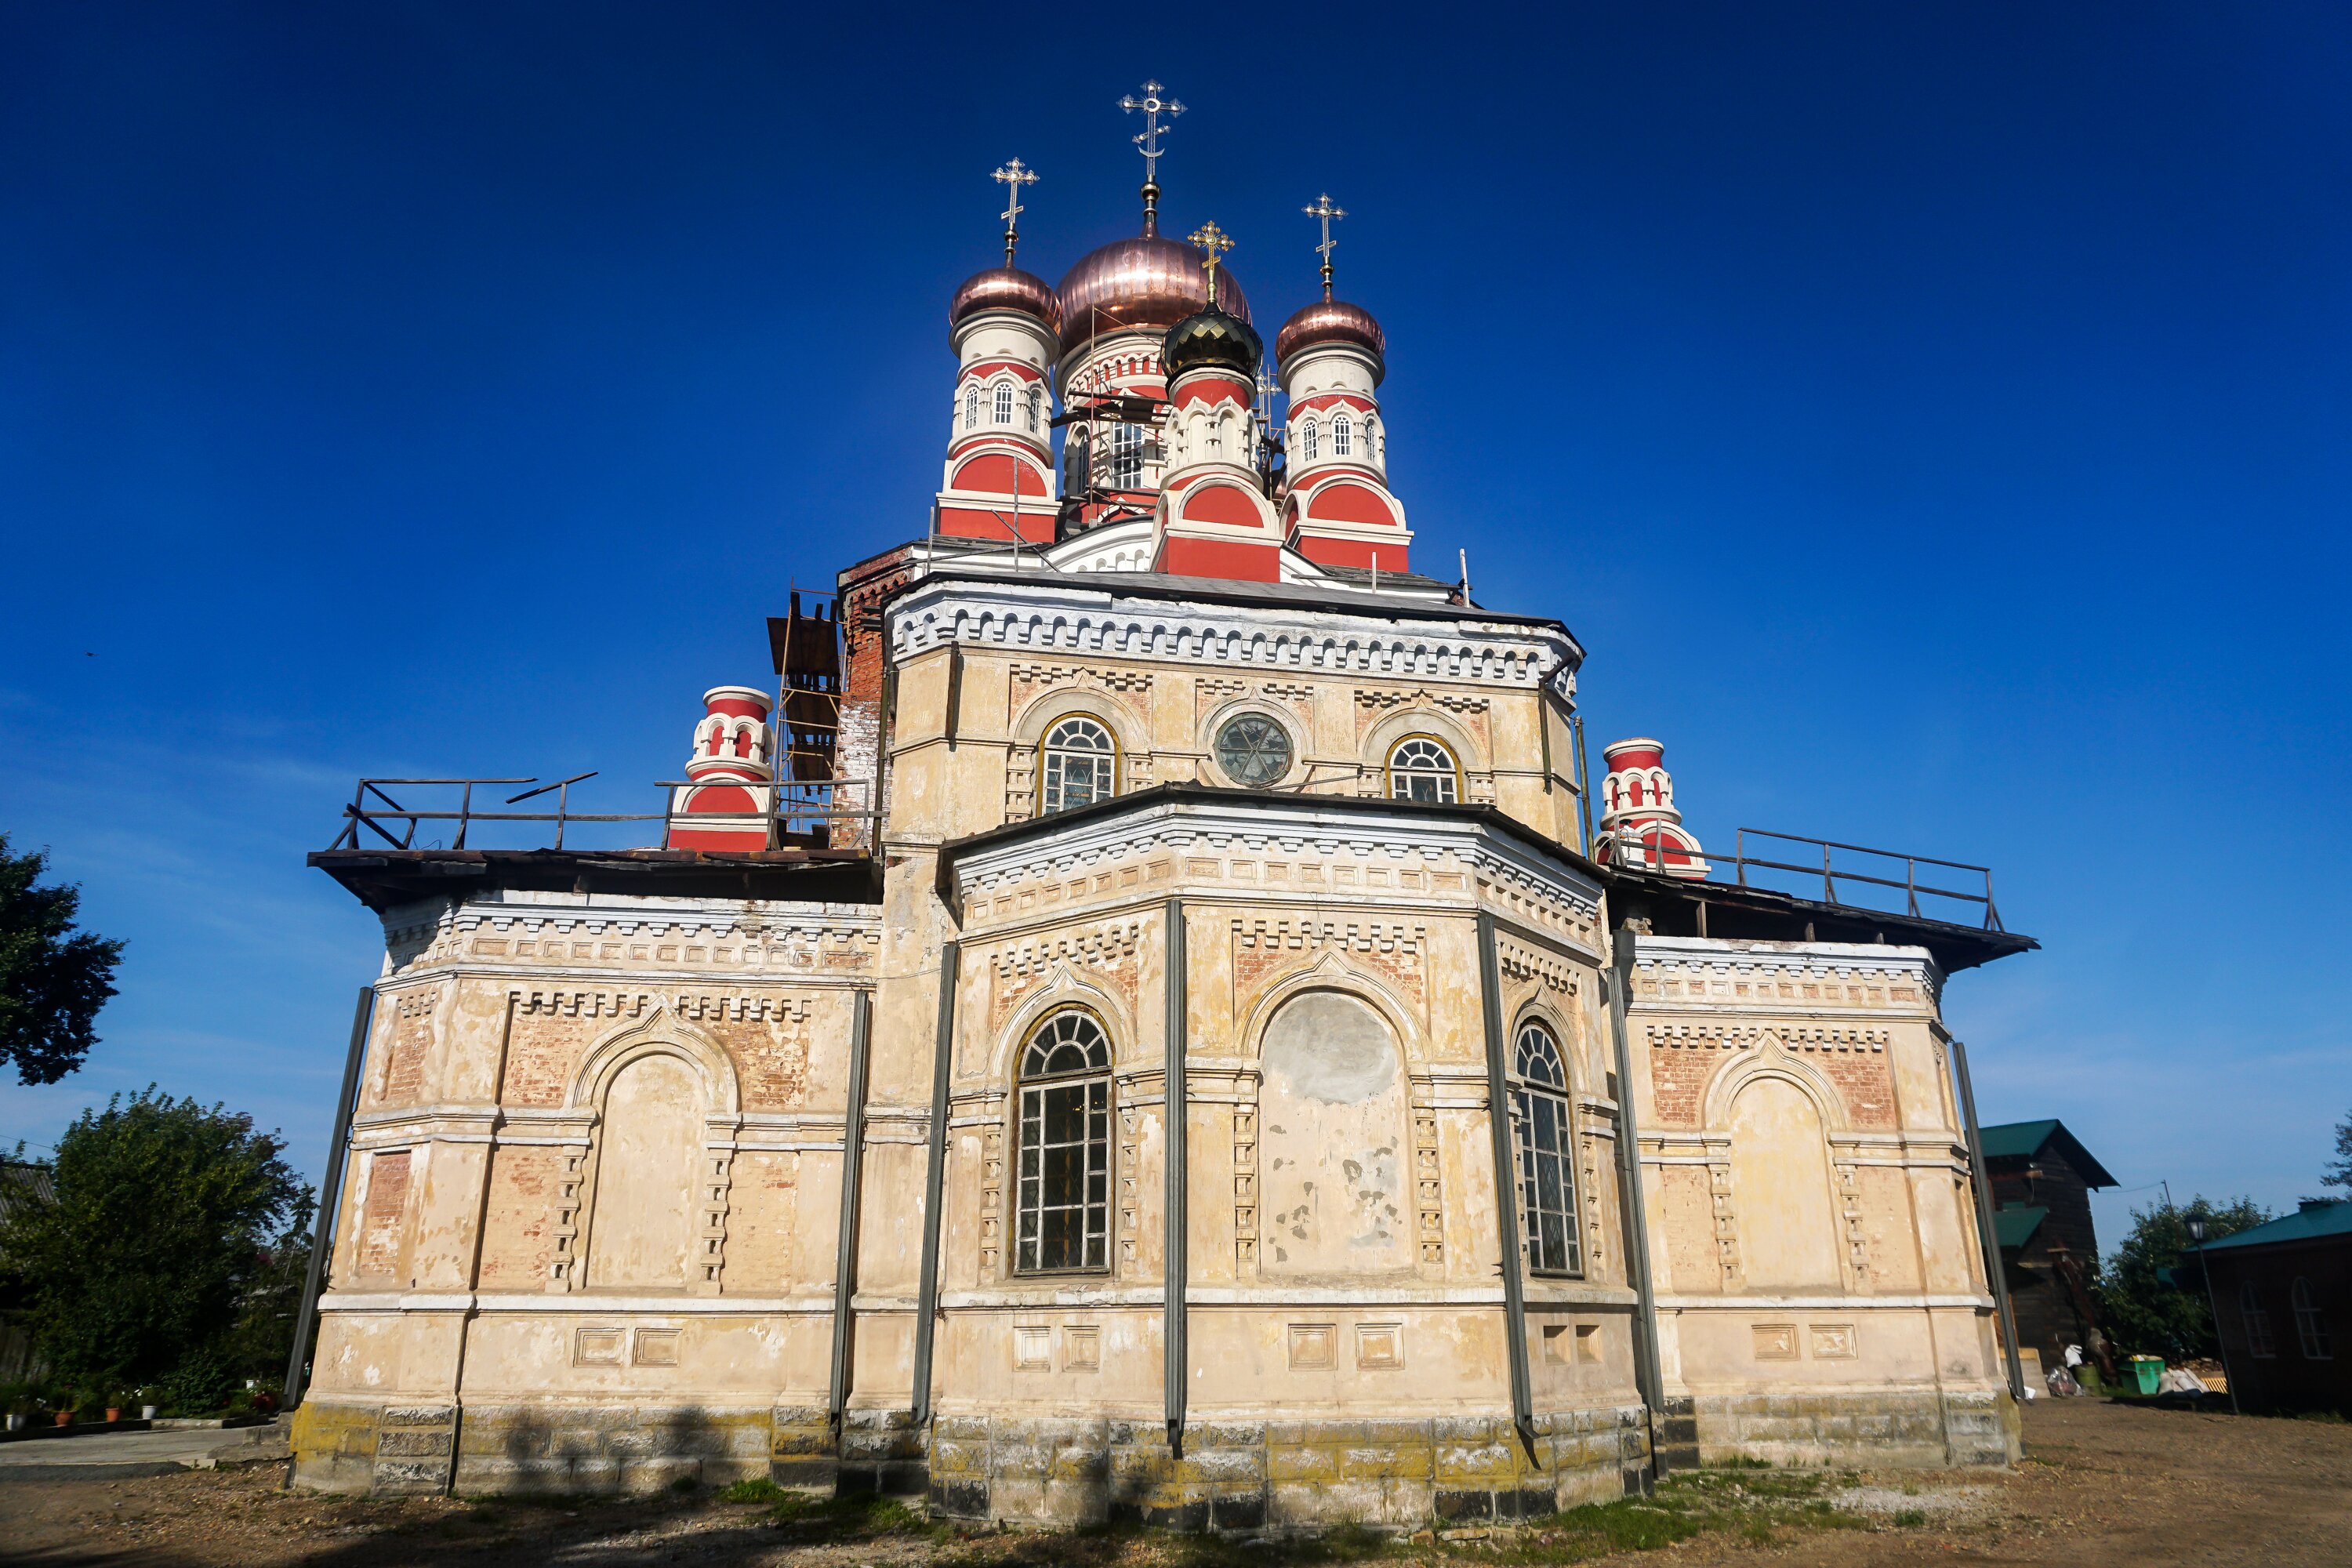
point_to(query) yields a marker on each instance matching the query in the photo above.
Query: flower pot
(16, 1423)
(65, 1418)
(114, 1413)
(147, 1412)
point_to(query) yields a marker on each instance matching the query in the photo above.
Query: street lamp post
(2197, 1235)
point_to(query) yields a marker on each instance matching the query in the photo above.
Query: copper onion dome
(1330, 321)
(1142, 281)
(1006, 288)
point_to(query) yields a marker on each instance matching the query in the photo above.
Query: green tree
(2144, 1312)
(2339, 1173)
(53, 979)
(169, 1221)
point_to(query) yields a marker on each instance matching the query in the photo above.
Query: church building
(1143, 1015)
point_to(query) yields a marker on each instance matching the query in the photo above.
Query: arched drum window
(972, 408)
(1547, 1161)
(1341, 445)
(1004, 402)
(1079, 760)
(1064, 1208)
(1421, 769)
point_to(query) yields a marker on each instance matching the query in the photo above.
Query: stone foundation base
(401, 1449)
(1282, 1475)
(1918, 1428)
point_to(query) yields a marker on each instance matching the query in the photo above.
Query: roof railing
(1878, 871)
(797, 809)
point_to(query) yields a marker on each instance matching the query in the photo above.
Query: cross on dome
(1213, 242)
(1153, 106)
(1013, 175)
(1325, 210)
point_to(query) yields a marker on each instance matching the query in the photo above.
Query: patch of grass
(1753, 1500)
(759, 1489)
(1910, 1519)
(864, 1516)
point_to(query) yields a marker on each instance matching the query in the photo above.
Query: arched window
(1421, 769)
(1064, 1221)
(2257, 1318)
(1306, 442)
(1037, 408)
(972, 408)
(1372, 448)
(1079, 760)
(1004, 402)
(1547, 1161)
(1341, 431)
(2310, 1323)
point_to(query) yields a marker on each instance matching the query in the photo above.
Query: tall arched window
(1037, 408)
(2257, 1318)
(1004, 402)
(1306, 442)
(1078, 762)
(972, 408)
(1064, 1219)
(1421, 769)
(1547, 1161)
(1340, 433)
(1372, 448)
(2310, 1323)
(1124, 468)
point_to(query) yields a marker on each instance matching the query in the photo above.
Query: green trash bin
(2147, 1371)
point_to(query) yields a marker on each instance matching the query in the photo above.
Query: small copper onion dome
(1006, 288)
(1330, 321)
(1144, 281)
(1211, 339)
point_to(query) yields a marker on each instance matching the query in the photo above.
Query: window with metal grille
(1422, 769)
(2257, 1318)
(2310, 1323)
(1306, 442)
(1122, 467)
(1004, 402)
(1064, 1219)
(1080, 759)
(1342, 434)
(1037, 408)
(972, 408)
(1547, 1168)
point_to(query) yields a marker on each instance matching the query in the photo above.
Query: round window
(1254, 750)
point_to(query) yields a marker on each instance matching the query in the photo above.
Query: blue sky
(1932, 418)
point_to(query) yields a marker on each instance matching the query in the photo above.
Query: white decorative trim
(1068, 618)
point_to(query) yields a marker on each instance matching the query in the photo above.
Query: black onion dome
(1006, 288)
(1211, 339)
(1147, 280)
(1330, 321)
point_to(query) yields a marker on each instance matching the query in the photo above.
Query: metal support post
(330, 1198)
(1981, 1180)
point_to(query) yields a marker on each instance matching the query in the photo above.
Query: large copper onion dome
(1143, 281)
(1211, 338)
(1006, 288)
(1330, 321)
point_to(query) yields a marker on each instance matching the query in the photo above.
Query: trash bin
(2147, 1372)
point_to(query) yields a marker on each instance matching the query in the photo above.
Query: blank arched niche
(1780, 1188)
(1331, 1116)
(649, 1145)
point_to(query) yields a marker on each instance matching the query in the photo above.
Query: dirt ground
(2102, 1485)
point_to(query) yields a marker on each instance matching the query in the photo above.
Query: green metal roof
(2015, 1227)
(2305, 1224)
(2024, 1140)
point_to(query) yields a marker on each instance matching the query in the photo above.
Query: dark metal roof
(383, 879)
(2024, 1140)
(2015, 1227)
(2315, 1221)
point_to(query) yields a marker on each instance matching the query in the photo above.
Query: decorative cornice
(1070, 619)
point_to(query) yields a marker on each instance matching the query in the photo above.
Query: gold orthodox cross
(1013, 175)
(1213, 241)
(1325, 210)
